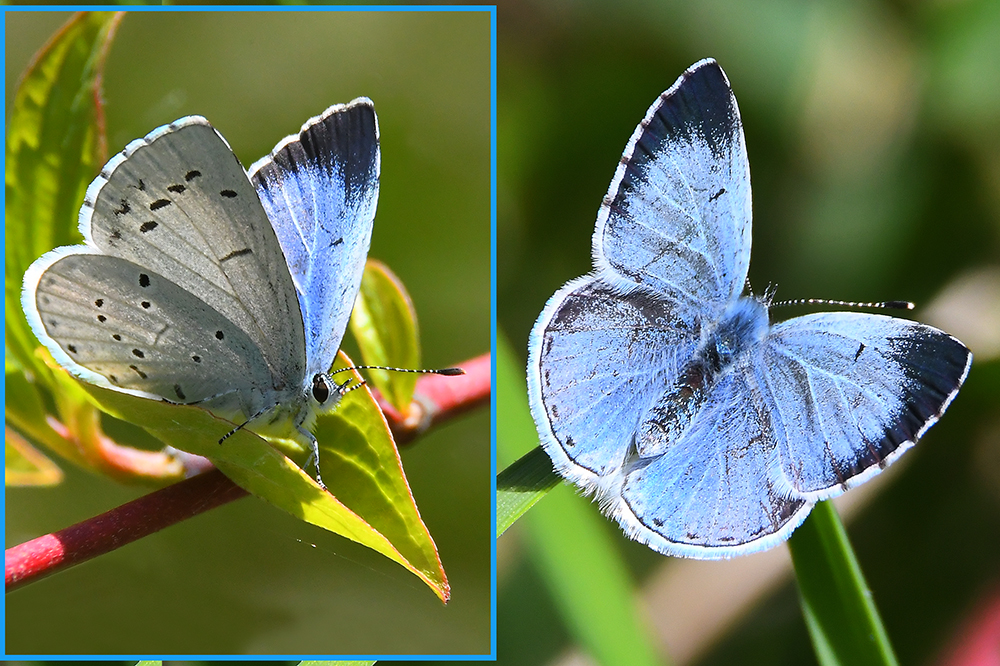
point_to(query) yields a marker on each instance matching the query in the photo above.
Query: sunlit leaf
(357, 454)
(384, 324)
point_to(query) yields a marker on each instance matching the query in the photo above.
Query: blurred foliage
(873, 131)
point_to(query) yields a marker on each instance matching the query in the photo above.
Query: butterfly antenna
(443, 371)
(344, 389)
(882, 305)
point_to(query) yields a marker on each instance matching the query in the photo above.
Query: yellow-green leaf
(384, 324)
(55, 145)
(356, 452)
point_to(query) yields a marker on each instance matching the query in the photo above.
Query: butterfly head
(325, 393)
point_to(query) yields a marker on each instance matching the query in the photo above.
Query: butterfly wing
(597, 360)
(125, 327)
(320, 189)
(714, 487)
(178, 203)
(851, 392)
(671, 249)
(677, 217)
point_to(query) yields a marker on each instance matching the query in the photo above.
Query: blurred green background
(246, 578)
(873, 132)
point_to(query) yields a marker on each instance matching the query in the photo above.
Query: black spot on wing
(146, 227)
(159, 203)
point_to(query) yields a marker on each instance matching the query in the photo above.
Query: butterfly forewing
(677, 216)
(320, 189)
(179, 203)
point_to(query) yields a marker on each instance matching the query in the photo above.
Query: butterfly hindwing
(598, 360)
(715, 489)
(125, 327)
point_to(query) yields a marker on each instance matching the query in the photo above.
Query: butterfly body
(705, 430)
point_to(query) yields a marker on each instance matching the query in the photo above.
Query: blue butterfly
(703, 429)
(202, 284)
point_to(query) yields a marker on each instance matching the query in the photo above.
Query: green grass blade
(529, 479)
(521, 485)
(588, 579)
(843, 622)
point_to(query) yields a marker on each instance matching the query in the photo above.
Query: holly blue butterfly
(702, 428)
(200, 283)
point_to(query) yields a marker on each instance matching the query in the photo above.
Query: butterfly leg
(313, 455)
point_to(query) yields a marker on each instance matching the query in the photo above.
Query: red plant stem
(48, 554)
(440, 398)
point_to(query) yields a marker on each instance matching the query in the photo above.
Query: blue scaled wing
(677, 216)
(320, 189)
(598, 360)
(714, 489)
(851, 392)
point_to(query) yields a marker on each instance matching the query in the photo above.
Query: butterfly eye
(320, 388)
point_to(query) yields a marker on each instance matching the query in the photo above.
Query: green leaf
(529, 479)
(55, 145)
(356, 452)
(384, 324)
(839, 610)
(570, 541)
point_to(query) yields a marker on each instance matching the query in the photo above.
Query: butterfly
(200, 283)
(705, 430)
